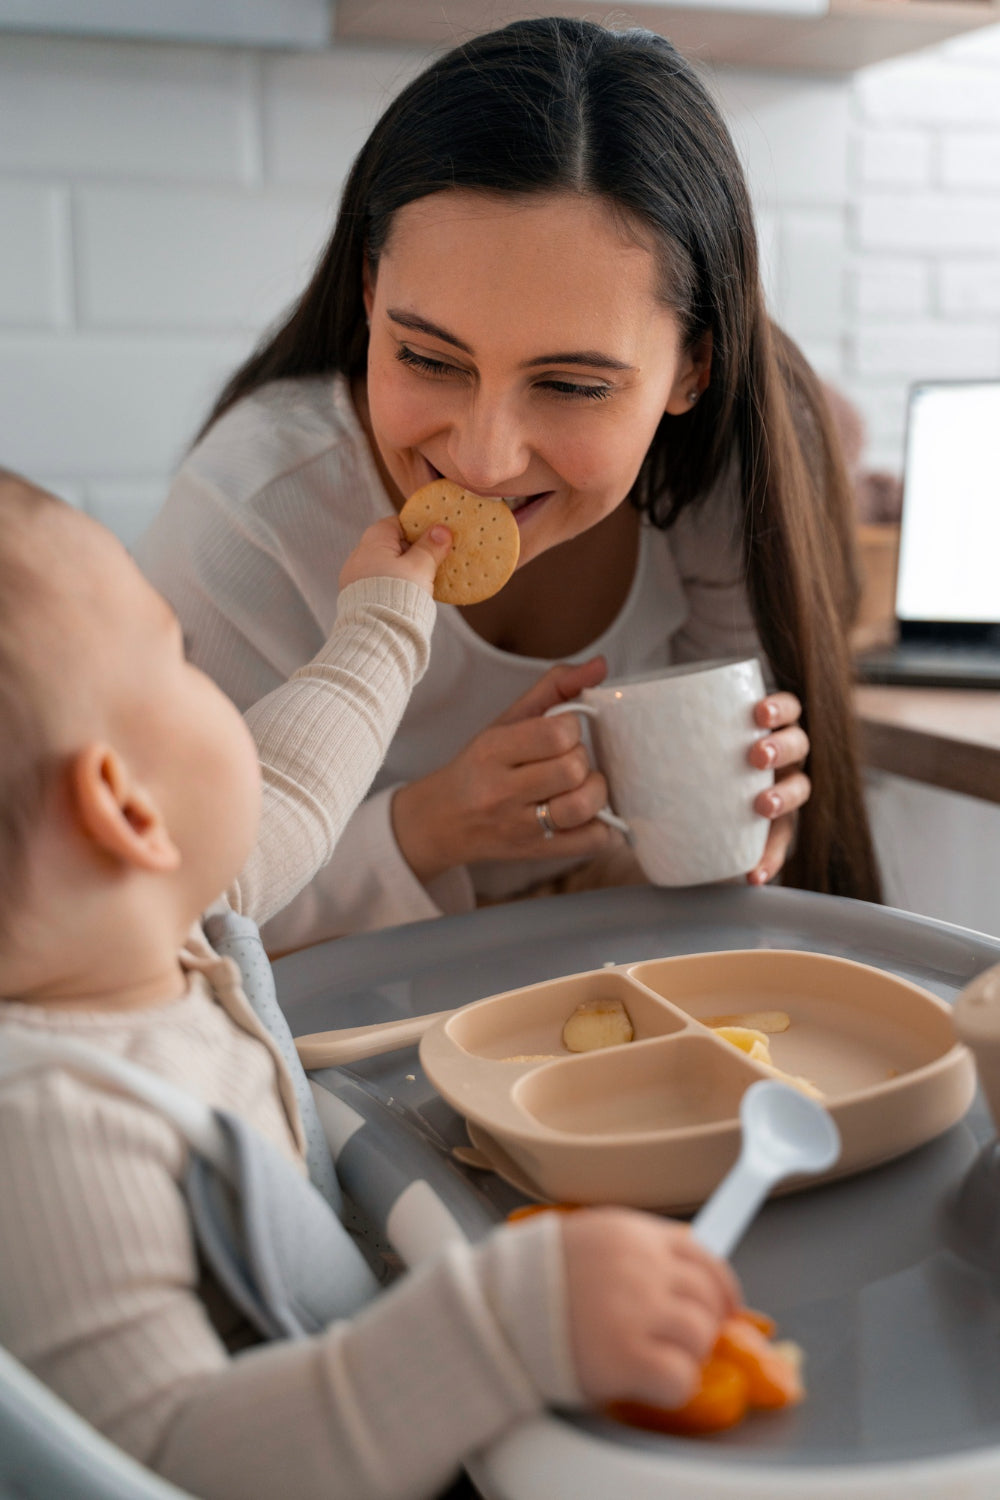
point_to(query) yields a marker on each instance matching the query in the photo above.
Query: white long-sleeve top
(103, 1295)
(248, 547)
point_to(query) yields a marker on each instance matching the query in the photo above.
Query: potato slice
(769, 1021)
(595, 1024)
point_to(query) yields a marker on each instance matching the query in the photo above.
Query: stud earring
(693, 396)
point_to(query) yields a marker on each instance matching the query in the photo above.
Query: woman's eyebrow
(579, 357)
(421, 325)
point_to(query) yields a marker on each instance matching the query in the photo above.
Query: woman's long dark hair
(564, 105)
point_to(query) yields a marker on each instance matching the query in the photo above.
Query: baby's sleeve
(322, 736)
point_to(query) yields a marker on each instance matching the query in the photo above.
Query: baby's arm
(322, 736)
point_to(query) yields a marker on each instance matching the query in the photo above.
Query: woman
(542, 284)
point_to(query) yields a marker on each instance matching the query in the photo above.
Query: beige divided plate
(655, 1123)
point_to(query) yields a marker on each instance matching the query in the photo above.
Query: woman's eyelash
(407, 356)
(567, 388)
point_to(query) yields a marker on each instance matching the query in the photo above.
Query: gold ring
(549, 829)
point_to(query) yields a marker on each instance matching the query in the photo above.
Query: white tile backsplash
(106, 405)
(34, 272)
(160, 204)
(82, 108)
(193, 257)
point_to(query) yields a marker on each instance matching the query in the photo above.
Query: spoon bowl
(785, 1134)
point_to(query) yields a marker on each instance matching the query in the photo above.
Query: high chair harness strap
(237, 937)
(273, 1242)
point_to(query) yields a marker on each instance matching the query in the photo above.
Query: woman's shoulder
(289, 433)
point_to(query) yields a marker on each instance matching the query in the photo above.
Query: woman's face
(518, 347)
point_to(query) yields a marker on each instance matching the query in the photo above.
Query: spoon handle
(328, 1049)
(720, 1224)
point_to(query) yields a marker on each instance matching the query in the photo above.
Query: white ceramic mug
(673, 747)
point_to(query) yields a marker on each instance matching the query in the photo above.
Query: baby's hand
(645, 1304)
(383, 552)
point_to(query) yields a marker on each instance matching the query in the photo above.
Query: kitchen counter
(945, 737)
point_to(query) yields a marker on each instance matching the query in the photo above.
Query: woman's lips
(524, 512)
(521, 507)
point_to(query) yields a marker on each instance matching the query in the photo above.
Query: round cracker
(486, 539)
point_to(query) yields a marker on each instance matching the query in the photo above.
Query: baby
(132, 794)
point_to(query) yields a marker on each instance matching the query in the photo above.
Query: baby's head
(128, 782)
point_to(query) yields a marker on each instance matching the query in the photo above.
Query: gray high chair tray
(900, 1325)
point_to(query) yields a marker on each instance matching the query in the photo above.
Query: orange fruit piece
(719, 1402)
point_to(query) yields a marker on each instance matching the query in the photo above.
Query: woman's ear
(117, 814)
(692, 377)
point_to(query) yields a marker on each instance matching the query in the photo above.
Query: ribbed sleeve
(322, 736)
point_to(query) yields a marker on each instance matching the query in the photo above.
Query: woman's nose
(489, 446)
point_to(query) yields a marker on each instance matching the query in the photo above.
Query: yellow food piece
(745, 1038)
(769, 1021)
(757, 1047)
(595, 1024)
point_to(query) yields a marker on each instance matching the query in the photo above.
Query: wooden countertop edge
(954, 765)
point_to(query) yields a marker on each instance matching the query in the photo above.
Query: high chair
(856, 1271)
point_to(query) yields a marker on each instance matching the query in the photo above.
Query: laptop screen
(949, 553)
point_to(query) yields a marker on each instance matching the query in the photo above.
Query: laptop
(948, 580)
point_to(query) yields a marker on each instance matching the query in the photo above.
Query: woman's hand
(482, 805)
(785, 750)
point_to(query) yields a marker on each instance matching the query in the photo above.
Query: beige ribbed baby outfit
(101, 1291)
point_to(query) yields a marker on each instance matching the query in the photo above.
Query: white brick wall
(160, 204)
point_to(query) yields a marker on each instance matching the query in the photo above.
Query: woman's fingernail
(770, 753)
(758, 876)
(773, 802)
(440, 534)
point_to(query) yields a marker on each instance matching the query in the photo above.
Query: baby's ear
(119, 815)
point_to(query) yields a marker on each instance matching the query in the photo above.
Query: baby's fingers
(428, 552)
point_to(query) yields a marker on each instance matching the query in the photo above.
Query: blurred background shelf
(851, 34)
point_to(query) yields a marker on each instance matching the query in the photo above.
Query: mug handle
(605, 814)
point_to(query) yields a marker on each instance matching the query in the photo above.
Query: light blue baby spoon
(785, 1134)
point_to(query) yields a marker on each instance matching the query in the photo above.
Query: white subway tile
(970, 286)
(926, 350)
(66, 489)
(198, 258)
(126, 506)
(318, 109)
(971, 158)
(929, 90)
(882, 404)
(882, 286)
(108, 108)
(810, 303)
(976, 47)
(826, 357)
(34, 283)
(106, 406)
(791, 134)
(894, 158)
(929, 222)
